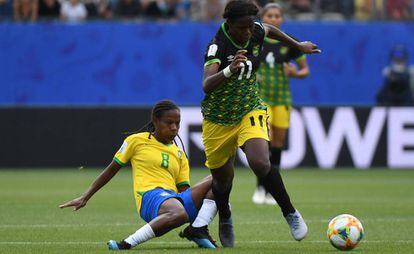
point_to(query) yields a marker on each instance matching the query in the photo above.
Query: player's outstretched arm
(99, 182)
(277, 34)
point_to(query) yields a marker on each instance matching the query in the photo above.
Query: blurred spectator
(330, 5)
(98, 8)
(398, 9)
(6, 9)
(160, 8)
(25, 10)
(208, 9)
(347, 8)
(301, 6)
(49, 9)
(363, 9)
(397, 89)
(128, 8)
(73, 10)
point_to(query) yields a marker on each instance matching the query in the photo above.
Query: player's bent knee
(260, 166)
(178, 217)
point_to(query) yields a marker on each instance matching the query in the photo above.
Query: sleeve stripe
(119, 162)
(183, 183)
(300, 58)
(214, 60)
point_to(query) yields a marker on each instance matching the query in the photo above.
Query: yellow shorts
(279, 116)
(221, 142)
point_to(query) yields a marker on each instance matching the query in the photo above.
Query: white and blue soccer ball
(345, 232)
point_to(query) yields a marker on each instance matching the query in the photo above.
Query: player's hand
(290, 69)
(76, 203)
(308, 47)
(237, 60)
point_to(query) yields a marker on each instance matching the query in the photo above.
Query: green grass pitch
(31, 222)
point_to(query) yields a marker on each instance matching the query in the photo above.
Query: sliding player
(161, 183)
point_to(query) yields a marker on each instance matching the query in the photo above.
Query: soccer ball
(345, 232)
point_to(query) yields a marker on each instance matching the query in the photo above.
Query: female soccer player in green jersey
(273, 76)
(235, 116)
(162, 190)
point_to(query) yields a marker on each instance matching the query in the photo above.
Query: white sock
(206, 214)
(143, 234)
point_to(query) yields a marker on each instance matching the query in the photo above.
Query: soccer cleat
(226, 233)
(269, 200)
(259, 195)
(200, 236)
(113, 245)
(297, 225)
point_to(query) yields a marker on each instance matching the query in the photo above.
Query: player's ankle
(122, 245)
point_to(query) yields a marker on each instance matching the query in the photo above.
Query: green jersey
(273, 83)
(237, 95)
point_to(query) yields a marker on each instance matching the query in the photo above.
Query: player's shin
(206, 214)
(273, 184)
(143, 234)
(275, 156)
(221, 196)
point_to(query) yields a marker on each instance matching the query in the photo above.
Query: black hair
(239, 9)
(158, 111)
(271, 6)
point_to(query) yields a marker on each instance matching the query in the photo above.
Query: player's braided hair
(240, 8)
(157, 111)
(270, 6)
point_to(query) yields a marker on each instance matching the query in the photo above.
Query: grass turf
(30, 221)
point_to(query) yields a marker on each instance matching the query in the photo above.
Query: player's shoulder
(137, 138)
(258, 31)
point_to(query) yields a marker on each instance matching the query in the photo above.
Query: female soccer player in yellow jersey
(234, 114)
(273, 79)
(162, 190)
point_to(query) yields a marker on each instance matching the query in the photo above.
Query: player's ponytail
(239, 9)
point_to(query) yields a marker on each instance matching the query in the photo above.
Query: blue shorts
(152, 200)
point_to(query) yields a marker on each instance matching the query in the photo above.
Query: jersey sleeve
(214, 52)
(184, 175)
(126, 151)
(259, 32)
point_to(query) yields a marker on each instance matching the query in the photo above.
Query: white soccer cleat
(259, 195)
(297, 225)
(269, 200)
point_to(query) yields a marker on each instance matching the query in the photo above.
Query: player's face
(241, 30)
(167, 126)
(273, 16)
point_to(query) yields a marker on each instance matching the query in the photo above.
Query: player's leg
(171, 214)
(279, 125)
(254, 142)
(255, 150)
(221, 187)
(201, 208)
(220, 144)
(278, 122)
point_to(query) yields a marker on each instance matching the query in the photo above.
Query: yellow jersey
(154, 164)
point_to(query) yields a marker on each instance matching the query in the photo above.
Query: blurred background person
(398, 9)
(398, 87)
(98, 9)
(73, 10)
(6, 9)
(128, 9)
(161, 9)
(25, 10)
(49, 9)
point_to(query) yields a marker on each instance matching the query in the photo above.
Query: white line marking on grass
(119, 224)
(186, 243)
